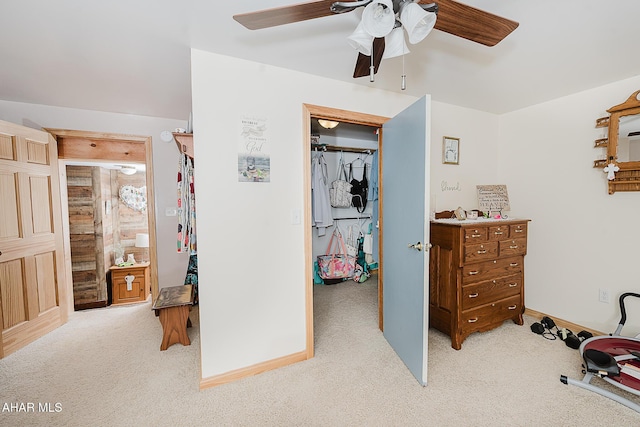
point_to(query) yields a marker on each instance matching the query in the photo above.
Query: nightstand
(130, 284)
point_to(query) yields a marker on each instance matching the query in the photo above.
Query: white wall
(172, 266)
(580, 238)
(455, 185)
(252, 283)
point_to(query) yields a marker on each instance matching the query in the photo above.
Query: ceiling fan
(385, 18)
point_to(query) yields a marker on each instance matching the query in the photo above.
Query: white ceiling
(134, 56)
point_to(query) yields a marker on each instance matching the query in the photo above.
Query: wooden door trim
(98, 146)
(315, 111)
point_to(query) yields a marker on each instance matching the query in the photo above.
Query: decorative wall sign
(493, 198)
(450, 150)
(135, 198)
(254, 161)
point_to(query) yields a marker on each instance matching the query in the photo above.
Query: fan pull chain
(403, 85)
(372, 71)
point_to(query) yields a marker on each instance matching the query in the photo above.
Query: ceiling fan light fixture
(395, 44)
(378, 18)
(327, 124)
(360, 40)
(417, 21)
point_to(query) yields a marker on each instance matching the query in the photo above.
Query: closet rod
(335, 148)
(353, 217)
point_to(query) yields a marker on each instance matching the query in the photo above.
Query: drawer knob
(513, 285)
(475, 235)
(475, 295)
(474, 320)
(482, 252)
(513, 264)
(519, 231)
(472, 273)
(513, 247)
(512, 307)
(498, 233)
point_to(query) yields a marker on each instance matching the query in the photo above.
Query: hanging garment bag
(340, 191)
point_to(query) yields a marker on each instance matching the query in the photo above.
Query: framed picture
(450, 150)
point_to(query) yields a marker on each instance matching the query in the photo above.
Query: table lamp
(142, 241)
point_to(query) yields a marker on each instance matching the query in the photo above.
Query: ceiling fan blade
(471, 23)
(285, 15)
(364, 62)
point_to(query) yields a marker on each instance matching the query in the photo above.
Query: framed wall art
(450, 150)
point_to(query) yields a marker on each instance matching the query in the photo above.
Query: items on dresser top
(476, 275)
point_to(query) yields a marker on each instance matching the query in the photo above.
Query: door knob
(417, 246)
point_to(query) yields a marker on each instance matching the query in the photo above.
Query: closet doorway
(364, 121)
(81, 147)
(403, 173)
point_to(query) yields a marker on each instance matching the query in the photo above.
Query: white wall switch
(296, 217)
(170, 212)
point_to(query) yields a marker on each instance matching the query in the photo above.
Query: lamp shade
(360, 40)
(394, 44)
(417, 21)
(378, 18)
(142, 240)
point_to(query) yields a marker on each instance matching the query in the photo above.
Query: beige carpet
(104, 368)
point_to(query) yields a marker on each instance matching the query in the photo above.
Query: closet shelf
(184, 142)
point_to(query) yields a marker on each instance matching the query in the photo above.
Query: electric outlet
(604, 295)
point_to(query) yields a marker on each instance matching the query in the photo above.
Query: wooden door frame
(106, 147)
(310, 111)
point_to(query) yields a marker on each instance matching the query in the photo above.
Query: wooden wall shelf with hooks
(184, 142)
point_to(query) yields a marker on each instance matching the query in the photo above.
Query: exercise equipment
(613, 358)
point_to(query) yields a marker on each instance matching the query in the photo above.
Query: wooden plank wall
(128, 221)
(82, 236)
(108, 200)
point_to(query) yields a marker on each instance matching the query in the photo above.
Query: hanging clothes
(187, 220)
(321, 204)
(373, 196)
(186, 206)
(373, 178)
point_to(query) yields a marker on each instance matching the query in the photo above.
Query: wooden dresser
(476, 275)
(137, 290)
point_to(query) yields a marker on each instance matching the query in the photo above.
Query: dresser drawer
(513, 247)
(518, 230)
(499, 232)
(492, 290)
(480, 251)
(473, 235)
(483, 317)
(489, 270)
(119, 276)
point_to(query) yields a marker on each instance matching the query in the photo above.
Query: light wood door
(33, 300)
